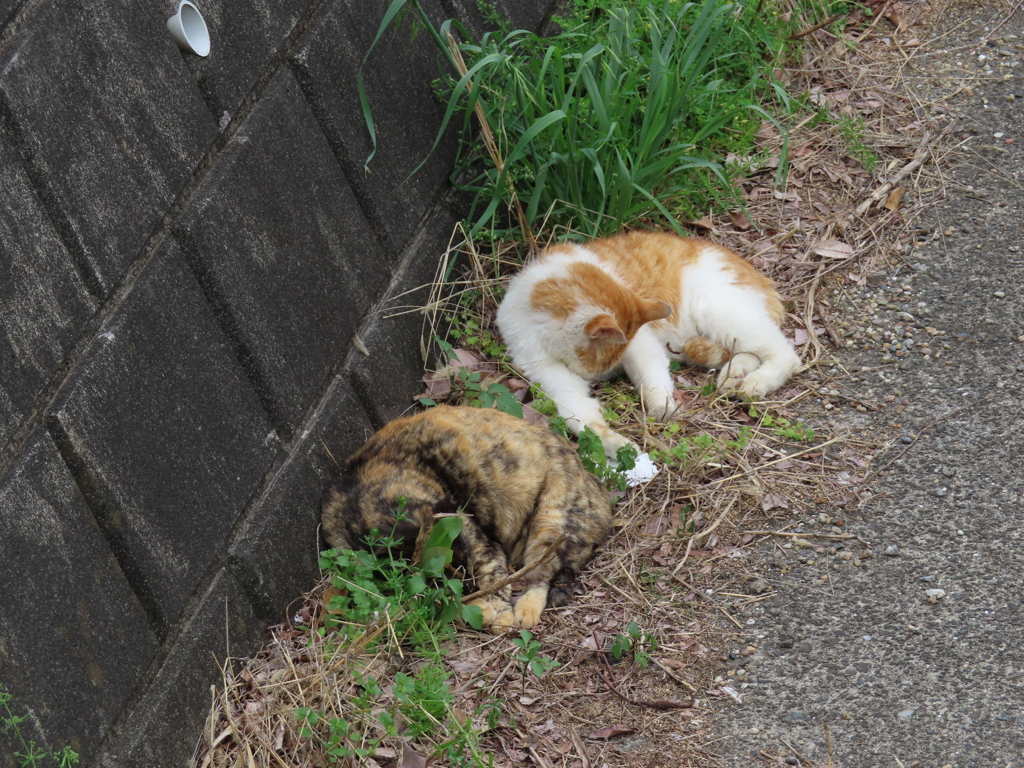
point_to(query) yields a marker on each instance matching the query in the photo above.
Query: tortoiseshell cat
(638, 301)
(522, 487)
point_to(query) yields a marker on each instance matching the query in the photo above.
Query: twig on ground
(581, 750)
(636, 702)
(776, 461)
(537, 759)
(793, 749)
(703, 533)
(501, 584)
(923, 152)
(501, 677)
(730, 617)
(801, 535)
(816, 27)
(669, 672)
(1009, 16)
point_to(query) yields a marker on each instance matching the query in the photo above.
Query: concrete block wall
(188, 248)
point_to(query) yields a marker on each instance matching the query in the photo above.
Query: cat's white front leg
(571, 395)
(647, 364)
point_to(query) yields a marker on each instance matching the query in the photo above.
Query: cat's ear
(604, 328)
(654, 310)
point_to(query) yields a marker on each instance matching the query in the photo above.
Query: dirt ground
(861, 662)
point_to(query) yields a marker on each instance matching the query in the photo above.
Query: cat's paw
(736, 371)
(660, 405)
(503, 622)
(529, 607)
(612, 441)
(497, 614)
(758, 384)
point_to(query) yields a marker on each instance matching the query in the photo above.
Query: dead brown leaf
(532, 416)
(609, 732)
(740, 220)
(657, 524)
(410, 759)
(807, 148)
(893, 201)
(773, 501)
(834, 249)
(517, 385)
(438, 384)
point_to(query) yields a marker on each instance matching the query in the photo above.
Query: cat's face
(600, 314)
(608, 332)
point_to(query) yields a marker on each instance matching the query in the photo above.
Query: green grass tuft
(627, 115)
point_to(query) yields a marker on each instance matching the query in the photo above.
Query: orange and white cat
(638, 301)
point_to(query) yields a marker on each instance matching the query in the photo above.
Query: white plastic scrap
(732, 693)
(643, 472)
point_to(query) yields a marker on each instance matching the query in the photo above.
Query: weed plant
(591, 452)
(853, 131)
(27, 753)
(377, 586)
(636, 643)
(378, 602)
(477, 392)
(812, 12)
(381, 605)
(530, 657)
(782, 427)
